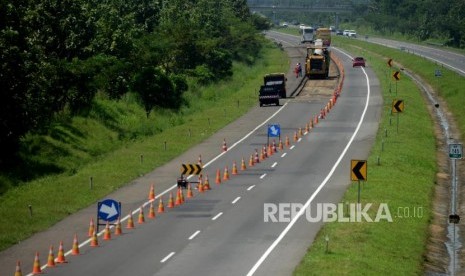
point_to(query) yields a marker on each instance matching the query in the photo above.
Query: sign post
(358, 172)
(397, 107)
(108, 210)
(273, 131)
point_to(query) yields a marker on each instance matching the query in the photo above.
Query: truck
(325, 35)
(317, 61)
(306, 34)
(273, 89)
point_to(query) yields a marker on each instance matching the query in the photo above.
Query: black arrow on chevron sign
(358, 171)
(191, 169)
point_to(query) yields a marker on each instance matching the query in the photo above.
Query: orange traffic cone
(141, 218)
(300, 132)
(251, 161)
(307, 128)
(130, 224)
(234, 168)
(265, 152)
(161, 207)
(288, 143)
(107, 233)
(225, 148)
(94, 240)
(170, 201)
(51, 258)
(218, 177)
(61, 254)
(91, 227)
(18, 269)
(226, 173)
(36, 266)
(178, 198)
(190, 194)
(118, 229)
(200, 185)
(181, 196)
(270, 150)
(206, 183)
(152, 193)
(280, 144)
(243, 167)
(295, 136)
(256, 160)
(151, 211)
(262, 154)
(75, 250)
(311, 123)
(273, 147)
(316, 120)
(199, 162)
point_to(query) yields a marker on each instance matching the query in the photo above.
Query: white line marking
(284, 154)
(274, 164)
(167, 257)
(217, 216)
(302, 210)
(251, 187)
(236, 200)
(298, 140)
(292, 147)
(195, 234)
(262, 176)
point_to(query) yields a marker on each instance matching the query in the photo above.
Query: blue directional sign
(109, 210)
(274, 131)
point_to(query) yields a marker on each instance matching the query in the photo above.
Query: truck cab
(273, 88)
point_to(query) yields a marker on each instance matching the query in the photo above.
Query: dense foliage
(56, 55)
(421, 19)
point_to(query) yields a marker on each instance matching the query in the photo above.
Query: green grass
(107, 145)
(405, 179)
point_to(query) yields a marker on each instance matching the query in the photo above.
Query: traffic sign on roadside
(358, 170)
(397, 106)
(396, 75)
(108, 210)
(455, 151)
(274, 130)
(191, 169)
(389, 62)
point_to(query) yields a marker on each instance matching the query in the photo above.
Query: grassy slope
(81, 142)
(404, 180)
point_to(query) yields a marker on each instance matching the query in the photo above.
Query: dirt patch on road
(317, 89)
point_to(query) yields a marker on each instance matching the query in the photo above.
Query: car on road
(358, 61)
(352, 33)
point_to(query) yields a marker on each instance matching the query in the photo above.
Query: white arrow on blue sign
(108, 210)
(274, 130)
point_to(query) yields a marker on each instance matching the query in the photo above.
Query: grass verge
(404, 180)
(55, 197)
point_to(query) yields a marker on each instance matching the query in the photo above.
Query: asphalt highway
(223, 231)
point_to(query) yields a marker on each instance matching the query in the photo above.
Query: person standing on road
(300, 69)
(296, 70)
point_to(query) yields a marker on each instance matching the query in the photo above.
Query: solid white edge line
(167, 257)
(262, 176)
(236, 200)
(217, 216)
(251, 187)
(274, 164)
(302, 210)
(195, 234)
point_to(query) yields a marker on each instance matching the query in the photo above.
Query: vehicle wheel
(277, 103)
(261, 104)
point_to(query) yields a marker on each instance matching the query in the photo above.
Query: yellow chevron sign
(358, 170)
(191, 169)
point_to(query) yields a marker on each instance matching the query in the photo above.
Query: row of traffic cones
(51, 260)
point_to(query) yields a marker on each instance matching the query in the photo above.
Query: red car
(358, 61)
